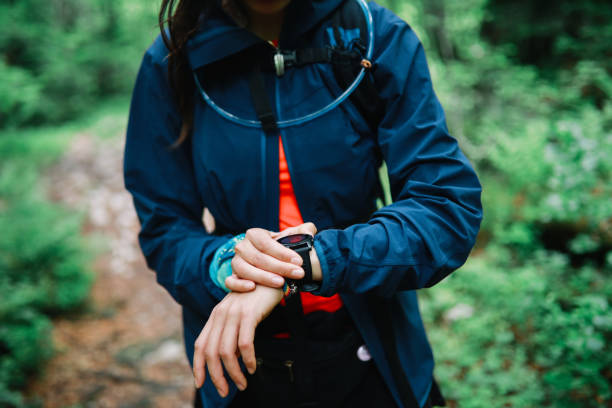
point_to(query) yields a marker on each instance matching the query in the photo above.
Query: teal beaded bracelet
(220, 267)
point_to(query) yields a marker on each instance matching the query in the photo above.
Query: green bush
(61, 56)
(43, 272)
(522, 333)
(40, 248)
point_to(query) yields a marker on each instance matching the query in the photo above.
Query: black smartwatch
(302, 244)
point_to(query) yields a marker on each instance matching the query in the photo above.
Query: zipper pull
(289, 365)
(259, 370)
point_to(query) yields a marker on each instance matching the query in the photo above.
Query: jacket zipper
(289, 365)
(264, 172)
(286, 149)
(282, 136)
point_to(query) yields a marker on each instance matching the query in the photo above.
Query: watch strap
(306, 265)
(307, 284)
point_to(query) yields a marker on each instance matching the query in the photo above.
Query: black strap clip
(268, 121)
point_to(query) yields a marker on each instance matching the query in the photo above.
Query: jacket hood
(221, 35)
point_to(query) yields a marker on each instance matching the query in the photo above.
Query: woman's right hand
(230, 332)
(262, 260)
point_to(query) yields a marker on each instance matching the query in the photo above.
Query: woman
(355, 338)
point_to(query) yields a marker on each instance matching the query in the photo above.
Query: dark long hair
(181, 18)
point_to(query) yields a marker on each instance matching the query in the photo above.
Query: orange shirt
(289, 216)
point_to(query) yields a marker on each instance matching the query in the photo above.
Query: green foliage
(42, 265)
(532, 332)
(60, 56)
(527, 90)
(540, 139)
(526, 323)
(40, 251)
(566, 33)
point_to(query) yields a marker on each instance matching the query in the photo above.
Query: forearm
(180, 255)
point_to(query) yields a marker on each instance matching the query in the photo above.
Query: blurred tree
(61, 56)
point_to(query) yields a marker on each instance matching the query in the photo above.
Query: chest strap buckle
(284, 59)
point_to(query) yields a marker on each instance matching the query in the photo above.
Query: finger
(306, 228)
(235, 284)
(246, 338)
(247, 251)
(199, 372)
(227, 350)
(246, 271)
(285, 233)
(262, 240)
(211, 353)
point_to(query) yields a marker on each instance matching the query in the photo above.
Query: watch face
(294, 239)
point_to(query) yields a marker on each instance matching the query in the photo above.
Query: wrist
(317, 274)
(303, 244)
(276, 293)
(220, 267)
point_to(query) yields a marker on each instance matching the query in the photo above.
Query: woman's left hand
(230, 332)
(237, 282)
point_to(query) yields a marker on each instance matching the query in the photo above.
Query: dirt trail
(126, 350)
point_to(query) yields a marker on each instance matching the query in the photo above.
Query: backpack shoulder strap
(345, 22)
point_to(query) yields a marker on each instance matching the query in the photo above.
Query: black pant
(370, 391)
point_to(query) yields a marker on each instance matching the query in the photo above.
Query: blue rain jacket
(426, 233)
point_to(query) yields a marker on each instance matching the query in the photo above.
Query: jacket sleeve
(162, 182)
(432, 224)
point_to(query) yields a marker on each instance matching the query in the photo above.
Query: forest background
(527, 89)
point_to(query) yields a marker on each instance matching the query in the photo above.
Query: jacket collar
(219, 36)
